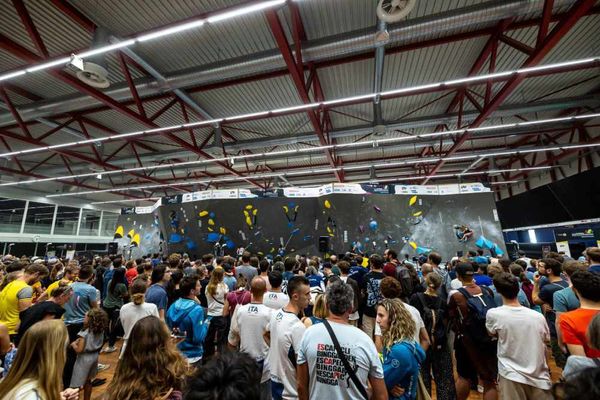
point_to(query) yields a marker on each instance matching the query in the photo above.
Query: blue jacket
(401, 365)
(188, 316)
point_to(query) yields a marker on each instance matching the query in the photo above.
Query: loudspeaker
(323, 244)
(113, 248)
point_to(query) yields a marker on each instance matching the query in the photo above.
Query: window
(109, 223)
(11, 215)
(532, 237)
(66, 221)
(90, 223)
(39, 218)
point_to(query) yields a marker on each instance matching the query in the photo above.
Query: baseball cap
(464, 269)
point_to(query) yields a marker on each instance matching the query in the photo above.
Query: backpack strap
(344, 360)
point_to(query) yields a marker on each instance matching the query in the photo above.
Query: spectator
(543, 294)
(285, 334)
(275, 298)
(319, 312)
(157, 293)
(402, 355)
(70, 275)
(522, 336)
(116, 293)
(593, 257)
(16, 296)
(324, 371)
(264, 272)
(230, 376)
(137, 309)
(438, 361)
(481, 276)
(248, 326)
(239, 296)
(372, 293)
(87, 346)
(216, 291)
(151, 366)
(132, 271)
(434, 259)
(344, 267)
(229, 279)
(475, 352)
(247, 270)
(574, 324)
(576, 364)
(36, 370)
(186, 318)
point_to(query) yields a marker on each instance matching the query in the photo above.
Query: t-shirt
(131, 313)
(80, 302)
(216, 303)
(240, 297)
(54, 285)
(131, 274)
(565, 300)
(416, 316)
(248, 324)
(275, 300)
(38, 312)
(230, 281)
(573, 327)
(114, 298)
(546, 294)
(481, 279)
(9, 303)
(286, 334)
(327, 375)
(157, 295)
(371, 282)
(522, 334)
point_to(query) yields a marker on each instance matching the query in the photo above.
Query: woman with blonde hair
(137, 309)
(402, 355)
(319, 312)
(36, 372)
(216, 291)
(151, 367)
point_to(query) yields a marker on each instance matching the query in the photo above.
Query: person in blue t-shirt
(592, 254)
(186, 318)
(480, 258)
(481, 276)
(402, 355)
(157, 294)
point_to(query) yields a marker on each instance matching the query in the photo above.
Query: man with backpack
(475, 349)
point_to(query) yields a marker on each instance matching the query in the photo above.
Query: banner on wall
(416, 189)
(574, 234)
(348, 188)
(563, 246)
(473, 188)
(301, 192)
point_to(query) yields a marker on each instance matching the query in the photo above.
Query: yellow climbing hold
(413, 245)
(249, 221)
(203, 213)
(246, 213)
(255, 211)
(210, 229)
(130, 234)
(417, 213)
(327, 204)
(412, 200)
(211, 222)
(249, 207)
(222, 230)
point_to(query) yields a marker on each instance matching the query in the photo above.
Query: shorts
(473, 363)
(85, 369)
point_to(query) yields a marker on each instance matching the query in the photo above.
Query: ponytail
(137, 298)
(137, 291)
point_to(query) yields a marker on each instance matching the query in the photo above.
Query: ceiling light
(99, 176)
(244, 10)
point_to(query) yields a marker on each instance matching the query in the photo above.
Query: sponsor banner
(224, 194)
(175, 199)
(127, 210)
(416, 189)
(245, 194)
(473, 188)
(563, 246)
(325, 189)
(449, 189)
(301, 192)
(377, 189)
(348, 188)
(574, 234)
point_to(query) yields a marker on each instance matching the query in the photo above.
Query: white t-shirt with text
(275, 300)
(327, 375)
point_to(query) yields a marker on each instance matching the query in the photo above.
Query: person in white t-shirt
(285, 333)
(522, 333)
(248, 326)
(321, 371)
(132, 312)
(215, 291)
(275, 298)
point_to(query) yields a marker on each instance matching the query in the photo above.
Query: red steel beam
(14, 112)
(560, 30)
(298, 78)
(34, 35)
(131, 84)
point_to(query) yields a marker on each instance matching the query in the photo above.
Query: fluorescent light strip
(288, 152)
(126, 200)
(336, 102)
(148, 37)
(291, 173)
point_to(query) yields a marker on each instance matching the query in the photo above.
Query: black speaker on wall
(323, 244)
(113, 248)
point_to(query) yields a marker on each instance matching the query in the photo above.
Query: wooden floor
(113, 358)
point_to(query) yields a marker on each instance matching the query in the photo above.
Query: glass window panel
(109, 223)
(11, 215)
(39, 218)
(90, 223)
(66, 221)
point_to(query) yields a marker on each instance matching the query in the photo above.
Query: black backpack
(433, 318)
(474, 323)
